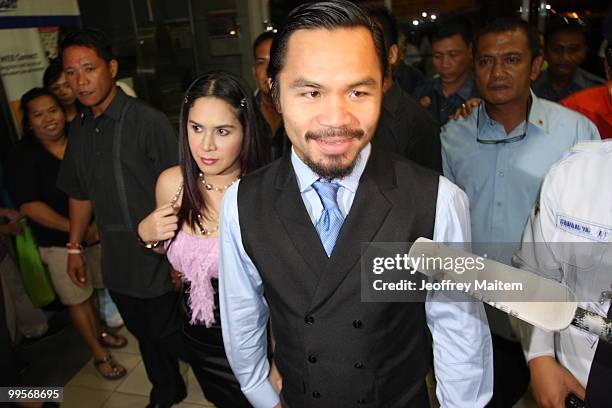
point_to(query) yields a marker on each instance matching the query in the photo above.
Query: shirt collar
(305, 175)
(464, 91)
(537, 113)
(114, 108)
(579, 79)
(537, 116)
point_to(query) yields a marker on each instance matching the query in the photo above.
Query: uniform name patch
(584, 229)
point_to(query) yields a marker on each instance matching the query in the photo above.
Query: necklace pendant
(208, 186)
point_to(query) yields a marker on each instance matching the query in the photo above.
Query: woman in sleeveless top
(220, 139)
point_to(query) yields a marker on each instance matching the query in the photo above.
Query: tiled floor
(88, 388)
(133, 389)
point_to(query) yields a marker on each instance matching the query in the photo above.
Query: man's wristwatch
(148, 245)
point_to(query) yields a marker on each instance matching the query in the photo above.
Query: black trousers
(511, 374)
(156, 323)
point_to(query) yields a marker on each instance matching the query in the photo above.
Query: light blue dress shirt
(461, 339)
(502, 181)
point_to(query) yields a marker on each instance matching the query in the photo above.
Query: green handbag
(34, 274)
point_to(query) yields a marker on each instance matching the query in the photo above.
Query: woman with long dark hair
(32, 172)
(220, 139)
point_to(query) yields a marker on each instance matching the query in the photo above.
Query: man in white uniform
(569, 237)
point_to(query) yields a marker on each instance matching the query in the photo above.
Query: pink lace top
(197, 259)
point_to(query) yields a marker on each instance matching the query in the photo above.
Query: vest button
(361, 401)
(309, 320)
(357, 324)
(316, 394)
(312, 359)
(358, 365)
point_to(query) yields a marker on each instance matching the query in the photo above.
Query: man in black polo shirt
(118, 146)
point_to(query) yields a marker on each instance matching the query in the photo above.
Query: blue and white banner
(22, 63)
(38, 13)
(28, 37)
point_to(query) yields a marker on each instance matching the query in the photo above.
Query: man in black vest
(291, 238)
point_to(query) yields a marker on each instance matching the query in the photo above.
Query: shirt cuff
(537, 343)
(263, 396)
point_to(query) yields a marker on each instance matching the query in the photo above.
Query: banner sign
(39, 13)
(22, 63)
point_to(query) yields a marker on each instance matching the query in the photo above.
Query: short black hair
(327, 15)
(386, 22)
(565, 25)
(266, 35)
(52, 73)
(90, 38)
(504, 24)
(451, 25)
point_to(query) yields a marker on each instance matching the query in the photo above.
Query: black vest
(332, 349)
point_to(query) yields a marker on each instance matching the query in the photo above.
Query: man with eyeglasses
(499, 156)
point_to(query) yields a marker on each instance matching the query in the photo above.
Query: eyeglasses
(502, 141)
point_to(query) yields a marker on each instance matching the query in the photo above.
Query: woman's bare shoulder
(168, 184)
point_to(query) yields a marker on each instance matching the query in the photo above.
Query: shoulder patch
(584, 229)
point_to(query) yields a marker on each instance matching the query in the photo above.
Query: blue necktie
(331, 220)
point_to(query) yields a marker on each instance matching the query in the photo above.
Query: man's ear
(113, 66)
(274, 93)
(393, 55)
(536, 67)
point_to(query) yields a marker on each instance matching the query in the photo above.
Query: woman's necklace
(203, 230)
(200, 221)
(210, 187)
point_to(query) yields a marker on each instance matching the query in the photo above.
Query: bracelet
(74, 251)
(74, 245)
(148, 245)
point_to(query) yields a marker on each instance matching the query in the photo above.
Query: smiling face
(504, 68)
(215, 136)
(46, 119)
(330, 96)
(91, 78)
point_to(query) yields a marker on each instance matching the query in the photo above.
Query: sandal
(110, 340)
(117, 370)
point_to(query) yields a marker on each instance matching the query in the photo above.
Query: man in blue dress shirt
(291, 235)
(499, 156)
